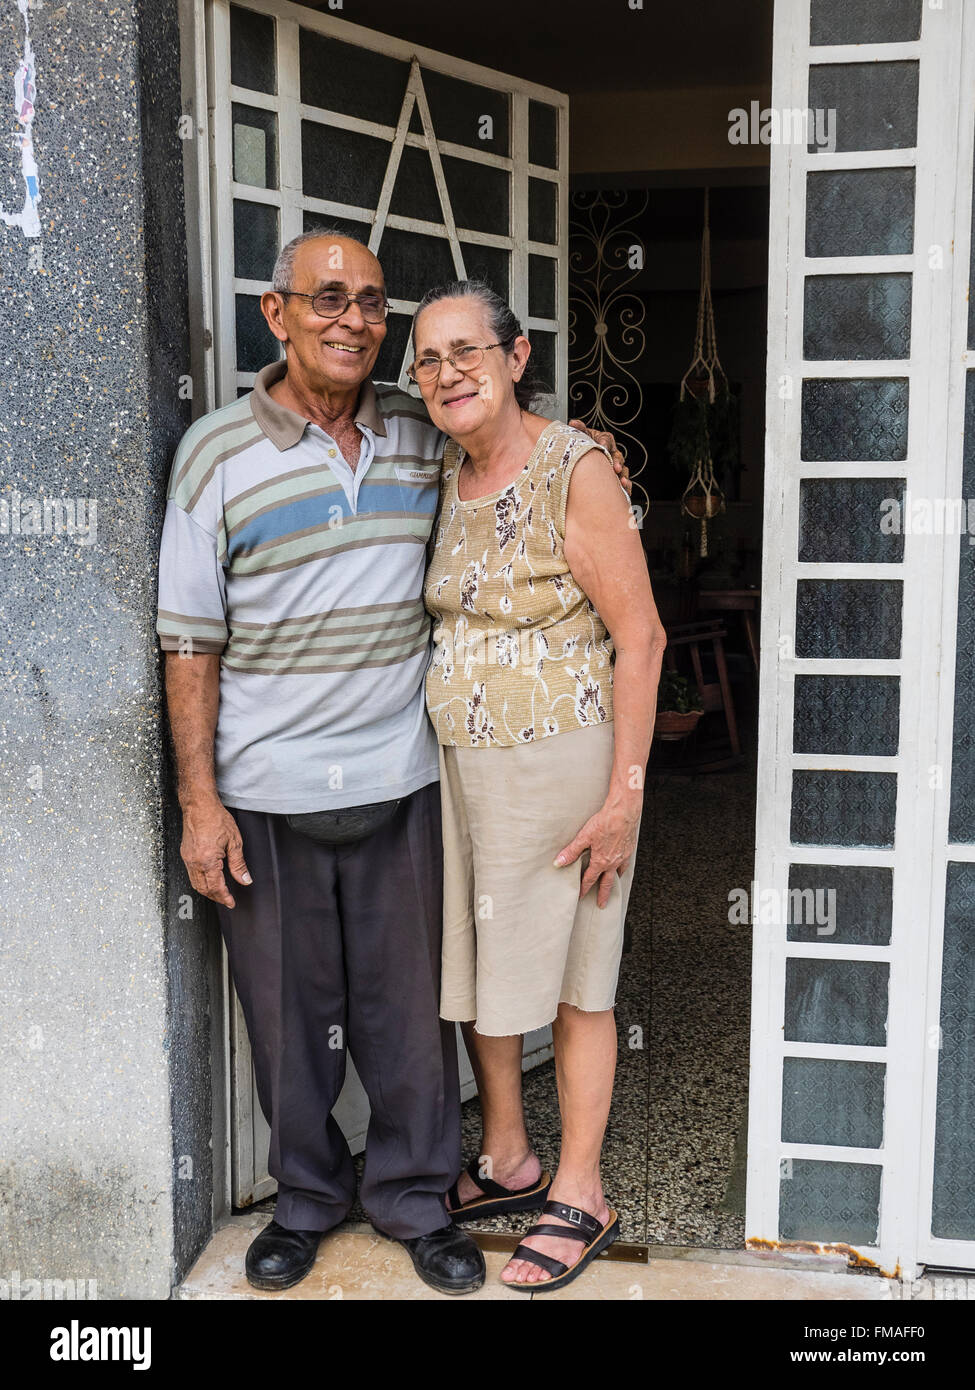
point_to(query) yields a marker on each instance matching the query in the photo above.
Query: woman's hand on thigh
(610, 837)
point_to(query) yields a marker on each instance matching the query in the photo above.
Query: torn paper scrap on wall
(25, 95)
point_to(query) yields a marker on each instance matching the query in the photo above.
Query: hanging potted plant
(705, 427)
(679, 707)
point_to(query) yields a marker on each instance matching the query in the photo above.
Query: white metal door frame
(919, 664)
(955, 1254)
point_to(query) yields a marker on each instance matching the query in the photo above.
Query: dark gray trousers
(336, 949)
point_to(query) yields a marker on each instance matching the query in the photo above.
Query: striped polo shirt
(307, 578)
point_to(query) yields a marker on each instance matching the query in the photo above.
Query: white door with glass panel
(862, 1094)
(448, 171)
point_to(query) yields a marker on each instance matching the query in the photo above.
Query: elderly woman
(542, 690)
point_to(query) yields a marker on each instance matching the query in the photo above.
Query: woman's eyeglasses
(462, 359)
(330, 304)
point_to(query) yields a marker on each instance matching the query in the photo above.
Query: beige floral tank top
(519, 651)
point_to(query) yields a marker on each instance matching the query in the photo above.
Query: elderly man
(291, 612)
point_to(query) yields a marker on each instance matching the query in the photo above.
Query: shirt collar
(285, 427)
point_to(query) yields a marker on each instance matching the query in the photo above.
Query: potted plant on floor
(679, 707)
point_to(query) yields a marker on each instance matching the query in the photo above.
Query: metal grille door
(449, 170)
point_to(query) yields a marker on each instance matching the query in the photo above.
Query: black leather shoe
(278, 1258)
(448, 1260)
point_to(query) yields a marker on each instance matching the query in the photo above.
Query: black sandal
(496, 1199)
(584, 1227)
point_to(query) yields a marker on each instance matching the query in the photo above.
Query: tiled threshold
(355, 1263)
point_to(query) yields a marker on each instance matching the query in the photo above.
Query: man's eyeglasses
(331, 304)
(463, 359)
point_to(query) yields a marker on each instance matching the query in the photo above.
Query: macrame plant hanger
(703, 498)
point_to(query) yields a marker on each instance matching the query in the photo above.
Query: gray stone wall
(105, 1166)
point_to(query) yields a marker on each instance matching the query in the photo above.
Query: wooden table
(743, 601)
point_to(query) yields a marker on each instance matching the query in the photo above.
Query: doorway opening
(648, 134)
(650, 92)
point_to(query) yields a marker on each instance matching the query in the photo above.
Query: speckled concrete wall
(105, 1169)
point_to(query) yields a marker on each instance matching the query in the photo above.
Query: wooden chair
(743, 601)
(716, 695)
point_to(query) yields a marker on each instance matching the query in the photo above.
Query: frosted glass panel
(541, 286)
(875, 104)
(836, 1001)
(479, 195)
(355, 81)
(859, 418)
(390, 360)
(252, 50)
(413, 264)
(860, 212)
(856, 318)
(489, 263)
(844, 520)
(256, 344)
(543, 211)
(466, 114)
(855, 715)
(832, 1102)
(953, 1214)
(543, 134)
(543, 358)
(850, 904)
(255, 146)
(838, 21)
(342, 165)
(358, 230)
(843, 808)
(848, 618)
(971, 281)
(829, 1201)
(256, 241)
(415, 190)
(961, 820)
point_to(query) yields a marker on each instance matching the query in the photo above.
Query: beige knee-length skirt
(517, 938)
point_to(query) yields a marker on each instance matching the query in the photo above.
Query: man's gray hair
(284, 266)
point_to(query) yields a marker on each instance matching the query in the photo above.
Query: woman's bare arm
(604, 553)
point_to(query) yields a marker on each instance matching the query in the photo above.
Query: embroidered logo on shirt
(417, 475)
